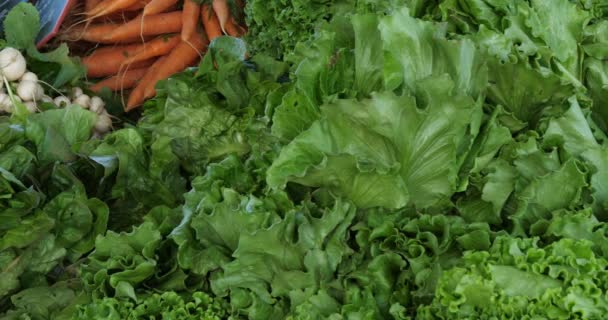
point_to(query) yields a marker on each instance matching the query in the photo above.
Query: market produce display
(142, 42)
(403, 160)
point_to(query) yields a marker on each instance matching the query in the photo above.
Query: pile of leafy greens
(424, 160)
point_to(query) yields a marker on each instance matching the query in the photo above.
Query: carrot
(119, 18)
(125, 50)
(222, 11)
(186, 53)
(158, 6)
(126, 80)
(96, 33)
(136, 97)
(233, 29)
(93, 33)
(90, 4)
(137, 6)
(190, 18)
(108, 60)
(123, 15)
(114, 67)
(109, 6)
(157, 47)
(154, 25)
(210, 22)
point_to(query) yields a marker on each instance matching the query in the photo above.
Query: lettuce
(522, 278)
(168, 305)
(400, 151)
(278, 26)
(371, 121)
(48, 218)
(421, 160)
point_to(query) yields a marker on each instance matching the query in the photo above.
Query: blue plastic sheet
(52, 13)
(5, 7)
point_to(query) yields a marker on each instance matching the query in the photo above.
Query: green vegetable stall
(342, 160)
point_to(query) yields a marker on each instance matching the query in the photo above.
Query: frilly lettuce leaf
(415, 50)
(138, 182)
(279, 26)
(578, 136)
(522, 278)
(121, 261)
(596, 79)
(168, 305)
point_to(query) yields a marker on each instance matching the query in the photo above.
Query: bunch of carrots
(144, 41)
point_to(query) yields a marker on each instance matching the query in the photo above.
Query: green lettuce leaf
(269, 266)
(78, 221)
(415, 50)
(121, 261)
(39, 303)
(524, 279)
(559, 189)
(575, 133)
(168, 305)
(139, 183)
(560, 26)
(59, 133)
(400, 153)
(596, 37)
(279, 26)
(596, 79)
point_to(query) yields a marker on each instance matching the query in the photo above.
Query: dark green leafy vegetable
(48, 220)
(424, 160)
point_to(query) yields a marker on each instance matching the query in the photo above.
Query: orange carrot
(157, 47)
(137, 6)
(153, 25)
(222, 11)
(136, 97)
(158, 6)
(125, 80)
(93, 33)
(190, 13)
(233, 29)
(118, 18)
(121, 16)
(125, 50)
(90, 4)
(97, 33)
(210, 22)
(109, 6)
(186, 53)
(108, 60)
(114, 67)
